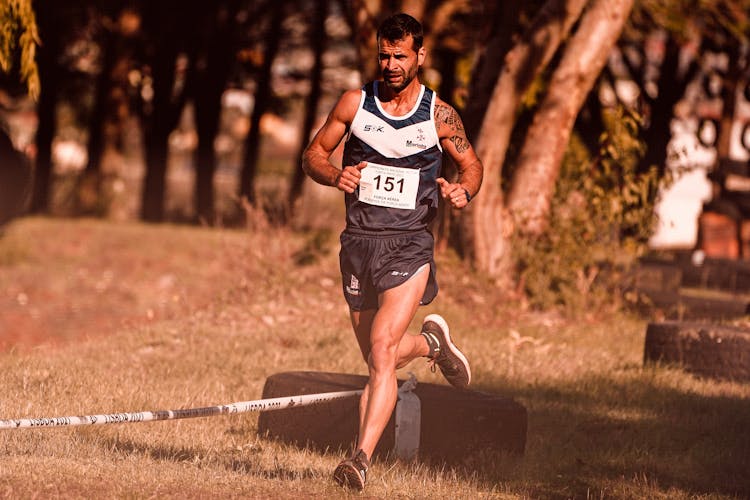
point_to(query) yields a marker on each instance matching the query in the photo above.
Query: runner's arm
(454, 142)
(315, 159)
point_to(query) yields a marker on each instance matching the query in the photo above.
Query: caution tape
(151, 416)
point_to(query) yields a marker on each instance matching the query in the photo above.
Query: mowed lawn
(98, 317)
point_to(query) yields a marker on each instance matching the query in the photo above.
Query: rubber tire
(718, 274)
(704, 349)
(680, 306)
(455, 424)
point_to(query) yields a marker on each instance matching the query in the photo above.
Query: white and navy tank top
(398, 189)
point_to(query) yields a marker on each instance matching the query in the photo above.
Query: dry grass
(99, 318)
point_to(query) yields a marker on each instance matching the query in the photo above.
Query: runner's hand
(348, 178)
(453, 192)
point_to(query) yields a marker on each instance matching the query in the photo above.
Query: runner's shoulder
(447, 119)
(348, 104)
(443, 109)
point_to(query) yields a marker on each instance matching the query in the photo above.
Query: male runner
(396, 131)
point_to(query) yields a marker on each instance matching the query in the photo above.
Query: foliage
(601, 218)
(684, 18)
(18, 41)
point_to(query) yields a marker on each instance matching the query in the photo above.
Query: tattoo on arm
(447, 115)
(461, 143)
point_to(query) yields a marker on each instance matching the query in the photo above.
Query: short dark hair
(399, 26)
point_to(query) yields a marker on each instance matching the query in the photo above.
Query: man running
(396, 131)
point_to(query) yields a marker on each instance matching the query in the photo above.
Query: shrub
(601, 217)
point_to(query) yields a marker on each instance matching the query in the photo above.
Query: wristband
(468, 196)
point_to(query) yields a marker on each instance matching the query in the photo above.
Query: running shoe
(352, 472)
(445, 354)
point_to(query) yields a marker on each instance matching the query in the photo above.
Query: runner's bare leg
(382, 339)
(410, 348)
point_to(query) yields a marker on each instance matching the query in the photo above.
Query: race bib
(386, 186)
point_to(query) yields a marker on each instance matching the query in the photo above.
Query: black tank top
(400, 192)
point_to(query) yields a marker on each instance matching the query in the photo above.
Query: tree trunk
(494, 47)
(209, 81)
(671, 86)
(364, 17)
(590, 122)
(88, 195)
(729, 87)
(99, 113)
(445, 236)
(485, 220)
(318, 44)
(262, 96)
(50, 76)
(538, 164)
(15, 180)
(156, 137)
(165, 107)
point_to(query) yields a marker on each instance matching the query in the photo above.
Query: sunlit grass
(166, 317)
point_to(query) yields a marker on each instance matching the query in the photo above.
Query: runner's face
(399, 62)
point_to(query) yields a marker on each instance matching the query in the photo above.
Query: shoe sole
(436, 318)
(347, 475)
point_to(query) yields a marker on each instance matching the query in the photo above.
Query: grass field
(101, 318)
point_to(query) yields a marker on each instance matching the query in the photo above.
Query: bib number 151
(390, 183)
(386, 186)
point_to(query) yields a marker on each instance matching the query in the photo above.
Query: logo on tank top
(419, 143)
(373, 128)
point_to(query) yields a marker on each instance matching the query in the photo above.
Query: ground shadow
(598, 431)
(229, 461)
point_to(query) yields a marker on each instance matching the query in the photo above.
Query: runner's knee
(383, 355)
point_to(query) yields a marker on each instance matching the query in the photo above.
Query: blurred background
(608, 129)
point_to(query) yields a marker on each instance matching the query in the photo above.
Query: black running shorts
(372, 262)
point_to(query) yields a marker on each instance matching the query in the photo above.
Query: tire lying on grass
(704, 349)
(454, 424)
